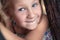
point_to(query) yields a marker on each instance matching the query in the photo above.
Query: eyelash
(35, 4)
(22, 9)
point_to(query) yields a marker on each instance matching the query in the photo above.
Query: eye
(35, 4)
(21, 9)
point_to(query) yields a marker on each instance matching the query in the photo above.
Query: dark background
(53, 13)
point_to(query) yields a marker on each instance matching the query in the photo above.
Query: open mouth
(31, 20)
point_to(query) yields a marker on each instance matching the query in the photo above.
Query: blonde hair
(7, 6)
(2, 15)
(4, 18)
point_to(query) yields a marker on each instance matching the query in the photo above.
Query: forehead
(24, 1)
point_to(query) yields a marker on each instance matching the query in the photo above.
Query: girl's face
(27, 13)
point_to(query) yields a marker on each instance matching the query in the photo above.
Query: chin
(31, 27)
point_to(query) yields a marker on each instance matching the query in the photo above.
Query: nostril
(30, 16)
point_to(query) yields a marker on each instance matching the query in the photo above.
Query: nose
(31, 14)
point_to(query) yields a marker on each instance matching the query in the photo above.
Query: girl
(25, 20)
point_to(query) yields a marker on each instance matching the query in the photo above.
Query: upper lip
(30, 21)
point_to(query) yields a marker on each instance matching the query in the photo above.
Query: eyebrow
(34, 0)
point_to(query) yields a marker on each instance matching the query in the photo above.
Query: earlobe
(13, 22)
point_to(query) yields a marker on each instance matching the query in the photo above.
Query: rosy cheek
(40, 11)
(22, 18)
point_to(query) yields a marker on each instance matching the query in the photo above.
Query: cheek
(39, 11)
(20, 18)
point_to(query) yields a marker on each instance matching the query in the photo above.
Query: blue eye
(34, 5)
(21, 9)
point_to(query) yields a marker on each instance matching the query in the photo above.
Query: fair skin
(27, 14)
